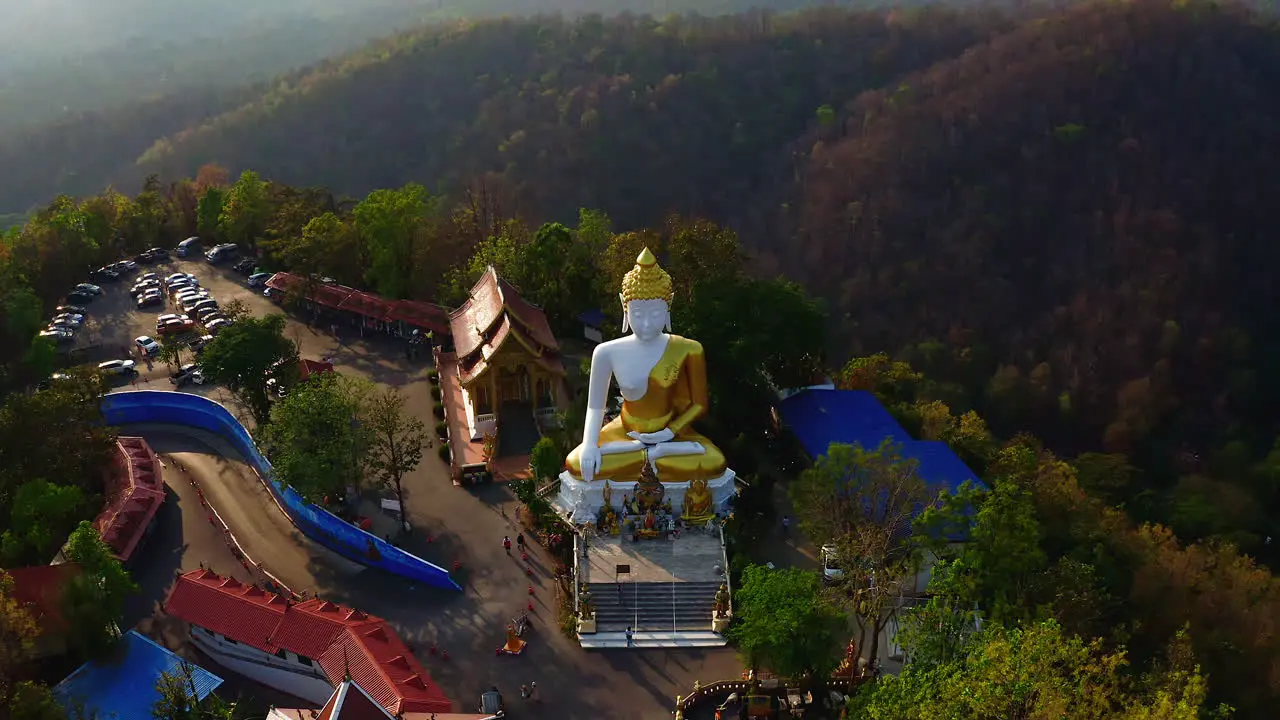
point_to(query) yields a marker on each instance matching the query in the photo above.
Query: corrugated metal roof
(123, 686)
(819, 417)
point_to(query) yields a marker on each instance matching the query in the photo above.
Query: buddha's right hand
(589, 462)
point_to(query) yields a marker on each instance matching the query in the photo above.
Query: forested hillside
(1072, 224)
(697, 107)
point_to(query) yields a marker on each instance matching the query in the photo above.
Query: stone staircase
(659, 607)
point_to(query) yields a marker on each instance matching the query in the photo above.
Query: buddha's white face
(648, 318)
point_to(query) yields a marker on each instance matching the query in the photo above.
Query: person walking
(506, 544)
(520, 541)
(525, 692)
(628, 636)
(533, 692)
(786, 525)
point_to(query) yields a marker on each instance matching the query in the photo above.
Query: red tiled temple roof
(38, 589)
(494, 313)
(134, 493)
(340, 639)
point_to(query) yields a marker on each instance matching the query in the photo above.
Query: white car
(89, 288)
(64, 326)
(176, 277)
(145, 285)
(116, 367)
(170, 316)
(57, 334)
(72, 319)
(217, 325)
(148, 276)
(147, 345)
(831, 570)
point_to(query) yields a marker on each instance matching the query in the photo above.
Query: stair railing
(674, 622)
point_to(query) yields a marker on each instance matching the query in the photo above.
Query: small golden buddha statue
(697, 502)
(663, 381)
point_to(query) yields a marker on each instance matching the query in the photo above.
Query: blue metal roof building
(123, 686)
(819, 417)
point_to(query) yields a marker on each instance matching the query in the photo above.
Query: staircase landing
(644, 640)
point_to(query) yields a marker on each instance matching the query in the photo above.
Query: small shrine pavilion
(507, 366)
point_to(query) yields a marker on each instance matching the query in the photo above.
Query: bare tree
(862, 504)
(396, 439)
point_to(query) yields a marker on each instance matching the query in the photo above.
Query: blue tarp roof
(593, 318)
(819, 417)
(123, 686)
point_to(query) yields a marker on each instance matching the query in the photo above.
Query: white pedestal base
(580, 502)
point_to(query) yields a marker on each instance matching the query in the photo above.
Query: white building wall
(290, 674)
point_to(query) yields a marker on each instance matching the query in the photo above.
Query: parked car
(159, 254)
(147, 345)
(64, 326)
(225, 251)
(192, 303)
(207, 314)
(148, 276)
(189, 373)
(76, 297)
(124, 266)
(141, 287)
(217, 325)
(205, 303)
(104, 274)
(259, 279)
(187, 247)
(117, 367)
(176, 277)
(174, 327)
(180, 287)
(186, 300)
(273, 294)
(198, 344)
(162, 319)
(88, 288)
(831, 570)
(57, 335)
(70, 319)
(245, 266)
(144, 258)
(149, 298)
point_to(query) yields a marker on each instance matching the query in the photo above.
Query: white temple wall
(289, 674)
(582, 501)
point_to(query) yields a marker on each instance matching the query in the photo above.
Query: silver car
(117, 367)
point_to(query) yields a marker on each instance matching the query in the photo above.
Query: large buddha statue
(663, 381)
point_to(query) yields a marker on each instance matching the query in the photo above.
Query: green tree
(94, 600)
(387, 221)
(245, 355)
(209, 212)
(560, 275)
(863, 502)
(171, 348)
(546, 459)
(180, 701)
(55, 434)
(784, 623)
(245, 210)
(36, 701)
(43, 514)
(18, 631)
(396, 438)
(327, 245)
(1035, 673)
(316, 439)
(777, 343)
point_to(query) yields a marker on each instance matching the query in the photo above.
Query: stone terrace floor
(693, 557)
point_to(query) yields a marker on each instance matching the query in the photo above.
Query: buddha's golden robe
(675, 398)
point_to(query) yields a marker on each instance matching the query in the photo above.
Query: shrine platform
(693, 557)
(667, 596)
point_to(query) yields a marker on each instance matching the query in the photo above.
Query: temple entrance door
(507, 388)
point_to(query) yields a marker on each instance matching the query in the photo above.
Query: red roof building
(134, 493)
(414, 313)
(307, 368)
(339, 639)
(350, 702)
(494, 314)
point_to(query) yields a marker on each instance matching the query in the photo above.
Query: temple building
(505, 380)
(305, 649)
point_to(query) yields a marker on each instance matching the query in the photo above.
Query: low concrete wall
(175, 408)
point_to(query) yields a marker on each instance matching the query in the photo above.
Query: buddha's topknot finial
(647, 281)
